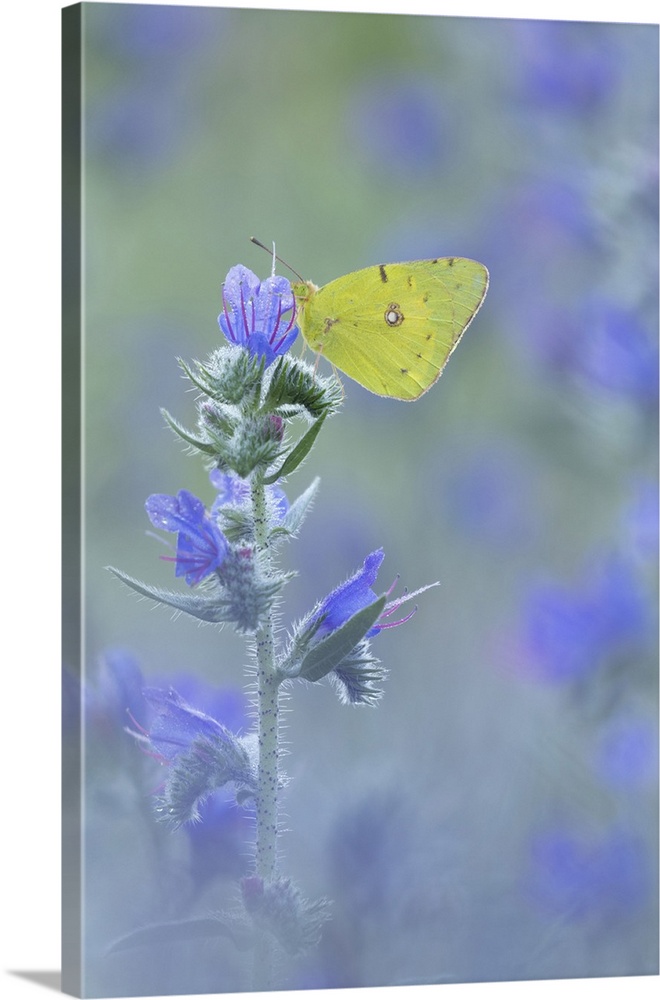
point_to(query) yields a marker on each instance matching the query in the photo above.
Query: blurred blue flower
(489, 497)
(201, 546)
(174, 728)
(254, 313)
(119, 686)
(614, 350)
(232, 490)
(142, 120)
(570, 632)
(573, 68)
(627, 753)
(641, 522)
(112, 697)
(538, 244)
(602, 345)
(546, 214)
(576, 877)
(353, 595)
(158, 32)
(401, 124)
(176, 724)
(227, 705)
(135, 126)
(218, 840)
(368, 854)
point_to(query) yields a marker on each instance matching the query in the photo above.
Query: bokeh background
(495, 817)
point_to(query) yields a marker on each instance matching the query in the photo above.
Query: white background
(30, 358)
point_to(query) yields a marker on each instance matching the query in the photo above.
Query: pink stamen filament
(136, 723)
(194, 559)
(401, 621)
(143, 737)
(224, 306)
(280, 313)
(277, 322)
(245, 322)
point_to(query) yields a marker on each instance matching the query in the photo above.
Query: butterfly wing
(392, 327)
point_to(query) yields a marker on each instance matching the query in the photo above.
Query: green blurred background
(350, 140)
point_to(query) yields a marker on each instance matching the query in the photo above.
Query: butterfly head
(303, 291)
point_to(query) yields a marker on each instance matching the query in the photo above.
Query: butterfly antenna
(258, 243)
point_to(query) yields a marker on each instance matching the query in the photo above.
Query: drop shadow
(49, 980)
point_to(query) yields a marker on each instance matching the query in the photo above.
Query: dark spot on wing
(393, 315)
(404, 371)
(383, 273)
(425, 297)
(450, 261)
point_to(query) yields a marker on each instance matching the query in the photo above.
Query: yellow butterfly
(392, 327)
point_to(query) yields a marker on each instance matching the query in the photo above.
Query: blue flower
(201, 546)
(353, 595)
(167, 725)
(254, 313)
(225, 704)
(201, 754)
(177, 724)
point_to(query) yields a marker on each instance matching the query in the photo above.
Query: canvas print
(360, 662)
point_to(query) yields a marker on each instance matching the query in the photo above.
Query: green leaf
(194, 442)
(294, 386)
(207, 609)
(329, 652)
(186, 930)
(300, 452)
(236, 523)
(201, 380)
(296, 513)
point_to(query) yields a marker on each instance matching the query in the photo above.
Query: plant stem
(268, 723)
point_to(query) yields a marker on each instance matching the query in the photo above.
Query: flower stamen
(245, 322)
(226, 312)
(381, 624)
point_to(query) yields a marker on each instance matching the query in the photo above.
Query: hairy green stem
(268, 694)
